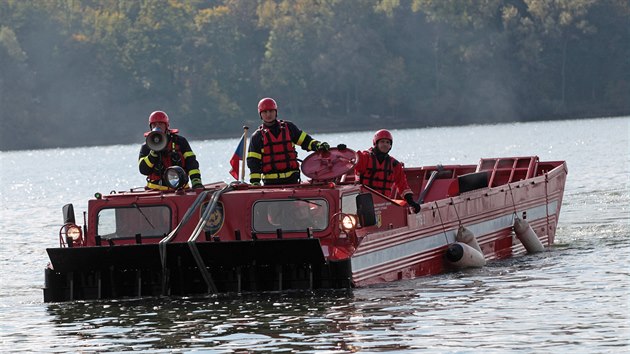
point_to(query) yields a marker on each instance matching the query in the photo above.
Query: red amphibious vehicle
(327, 233)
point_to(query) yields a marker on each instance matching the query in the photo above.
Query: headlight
(74, 232)
(348, 222)
(175, 177)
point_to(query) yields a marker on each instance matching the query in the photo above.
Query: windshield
(127, 222)
(290, 215)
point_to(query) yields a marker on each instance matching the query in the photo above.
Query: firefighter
(271, 156)
(176, 152)
(383, 173)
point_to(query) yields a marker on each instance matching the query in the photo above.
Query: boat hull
(239, 238)
(488, 213)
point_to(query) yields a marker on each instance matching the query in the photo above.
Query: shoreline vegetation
(87, 73)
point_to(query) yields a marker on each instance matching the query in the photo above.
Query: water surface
(572, 298)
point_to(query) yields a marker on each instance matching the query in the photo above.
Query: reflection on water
(572, 298)
(504, 306)
(202, 322)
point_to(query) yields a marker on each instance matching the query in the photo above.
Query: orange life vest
(279, 154)
(380, 176)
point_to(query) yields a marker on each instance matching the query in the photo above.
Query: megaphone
(157, 140)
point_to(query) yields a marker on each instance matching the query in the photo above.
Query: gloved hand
(323, 146)
(341, 147)
(412, 203)
(196, 183)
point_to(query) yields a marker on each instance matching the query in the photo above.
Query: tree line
(89, 72)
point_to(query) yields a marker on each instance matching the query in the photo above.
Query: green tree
(227, 57)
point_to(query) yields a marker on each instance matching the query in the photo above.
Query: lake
(575, 297)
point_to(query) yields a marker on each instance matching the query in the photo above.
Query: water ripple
(573, 297)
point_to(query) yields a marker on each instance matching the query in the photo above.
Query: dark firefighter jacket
(271, 154)
(177, 152)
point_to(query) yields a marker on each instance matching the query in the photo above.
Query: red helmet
(158, 117)
(267, 104)
(382, 134)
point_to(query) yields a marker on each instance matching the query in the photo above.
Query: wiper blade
(145, 217)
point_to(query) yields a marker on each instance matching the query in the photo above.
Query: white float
(466, 236)
(527, 236)
(461, 255)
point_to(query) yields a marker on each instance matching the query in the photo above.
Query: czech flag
(237, 158)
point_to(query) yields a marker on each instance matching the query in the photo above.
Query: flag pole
(245, 128)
